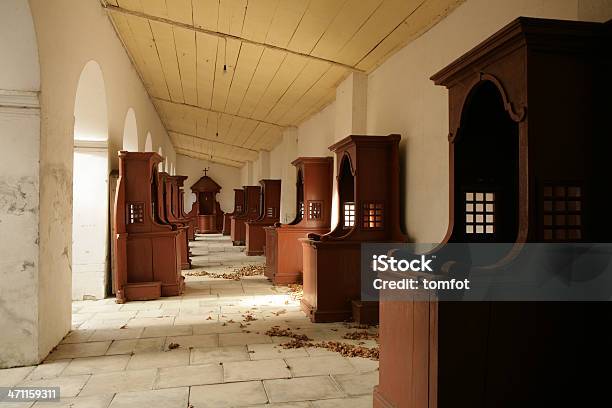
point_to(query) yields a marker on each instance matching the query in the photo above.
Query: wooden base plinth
(365, 312)
(324, 316)
(141, 291)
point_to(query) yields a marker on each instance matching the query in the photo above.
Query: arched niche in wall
(130, 132)
(90, 273)
(148, 143)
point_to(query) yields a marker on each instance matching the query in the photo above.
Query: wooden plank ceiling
(226, 76)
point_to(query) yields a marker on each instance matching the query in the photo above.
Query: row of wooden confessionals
(528, 139)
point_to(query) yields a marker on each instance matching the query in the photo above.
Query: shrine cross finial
(206, 169)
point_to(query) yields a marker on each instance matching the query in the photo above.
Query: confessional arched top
(346, 195)
(485, 169)
(299, 198)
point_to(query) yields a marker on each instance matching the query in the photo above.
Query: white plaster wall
(19, 186)
(281, 168)
(227, 177)
(19, 262)
(90, 223)
(316, 134)
(70, 33)
(19, 69)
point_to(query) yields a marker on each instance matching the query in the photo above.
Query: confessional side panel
(139, 259)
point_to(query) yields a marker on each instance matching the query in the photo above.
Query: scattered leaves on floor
(360, 335)
(249, 317)
(236, 274)
(296, 291)
(276, 331)
(173, 346)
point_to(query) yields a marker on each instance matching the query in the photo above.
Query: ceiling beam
(218, 112)
(212, 141)
(121, 10)
(202, 156)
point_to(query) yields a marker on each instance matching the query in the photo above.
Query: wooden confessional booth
(526, 149)
(147, 249)
(369, 211)
(250, 211)
(190, 217)
(269, 213)
(313, 203)
(238, 205)
(168, 194)
(210, 215)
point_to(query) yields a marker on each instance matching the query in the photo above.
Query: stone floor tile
(216, 355)
(120, 381)
(114, 315)
(213, 326)
(166, 398)
(300, 404)
(149, 322)
(69, 386)
(77, 336)
(49, 369)
(94, 401)
(189, 375)
(157, 313)
(190, 320)
(116, 334)
(358, 402)
(363, 365)
(163, 331)
(151, 305)
(255, 370)
(136, 346)
(93, 324)
(12, 376)
(302, 389)
(94, 365)
(357, 384)
(170, 358)
(228, 395)
(324, 365)
(273, 351)
(197, 341)
(75, 350)
(238, 339)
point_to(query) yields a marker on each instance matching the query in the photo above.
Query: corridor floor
(200, 349)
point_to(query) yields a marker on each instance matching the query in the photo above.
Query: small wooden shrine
(369, 211)
(209, 210)
(147, 248)
(313, 215)
(269, 214)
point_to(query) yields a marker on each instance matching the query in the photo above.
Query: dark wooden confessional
(313, 204)
(528, 144)
(147, 248)
(369, 211)
(238, 205)
(188, 217)
(250, 212)
(168, 194)
(269, 213)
